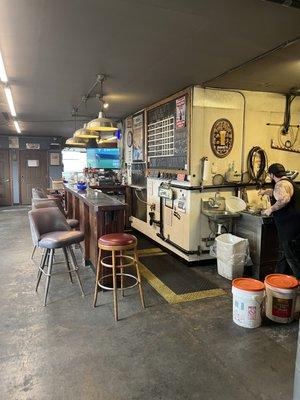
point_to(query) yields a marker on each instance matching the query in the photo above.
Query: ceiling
(53, 51)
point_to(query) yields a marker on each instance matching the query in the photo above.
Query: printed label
(282, 308)
(252, 313)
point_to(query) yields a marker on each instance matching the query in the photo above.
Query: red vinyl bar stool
(117, 243)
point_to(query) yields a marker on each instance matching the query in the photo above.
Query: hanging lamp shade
(101, 124)
(74, 141)
(85, 133)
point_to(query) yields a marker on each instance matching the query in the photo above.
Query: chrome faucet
(213, 202)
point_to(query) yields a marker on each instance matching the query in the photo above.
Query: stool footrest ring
(119, 257)
(118, 274)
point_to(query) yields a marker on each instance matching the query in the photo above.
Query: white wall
(260, 109)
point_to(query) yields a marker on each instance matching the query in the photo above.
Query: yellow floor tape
(153, 250)
(169, 295)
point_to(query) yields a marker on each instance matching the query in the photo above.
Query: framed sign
(137, 137)
(32, 146)
(13, 142)
(54, 159)
(221, 137)
(128, 123)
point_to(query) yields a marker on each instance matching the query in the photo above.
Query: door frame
(19, 164)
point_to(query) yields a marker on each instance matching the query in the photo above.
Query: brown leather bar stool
(117, 243)
(51, 232)
(46, 203)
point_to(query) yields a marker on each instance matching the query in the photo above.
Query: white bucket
(246, 307)
(231, 254)
(280, 303)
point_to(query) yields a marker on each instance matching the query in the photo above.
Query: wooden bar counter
(98, 214)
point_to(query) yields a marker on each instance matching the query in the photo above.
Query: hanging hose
(141, 200)
(257, 175)
(287, 114)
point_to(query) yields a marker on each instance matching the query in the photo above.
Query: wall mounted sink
(220, 216)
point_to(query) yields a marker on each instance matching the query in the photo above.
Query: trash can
(231, 252)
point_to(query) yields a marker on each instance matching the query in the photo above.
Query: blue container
(81, 186)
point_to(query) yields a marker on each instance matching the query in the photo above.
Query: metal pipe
(99, 80)
(177, 246)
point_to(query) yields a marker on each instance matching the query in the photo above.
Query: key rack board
(168, 134)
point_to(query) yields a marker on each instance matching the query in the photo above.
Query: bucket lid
(282, 281)
(248, 284)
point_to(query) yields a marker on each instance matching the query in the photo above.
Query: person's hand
(261, 192)
(267, 212)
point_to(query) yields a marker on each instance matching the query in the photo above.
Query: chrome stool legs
(33, 251)
(47, 259)
(68, 263)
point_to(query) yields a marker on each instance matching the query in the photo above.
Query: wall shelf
(273, 146)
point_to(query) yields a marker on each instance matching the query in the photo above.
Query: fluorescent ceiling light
(17, 126)
(10, 101)
(3, 76)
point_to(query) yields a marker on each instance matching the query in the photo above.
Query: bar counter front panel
(98, 214)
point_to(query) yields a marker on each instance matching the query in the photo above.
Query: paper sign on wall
(138, 137)
(180, 112)
(33, 163)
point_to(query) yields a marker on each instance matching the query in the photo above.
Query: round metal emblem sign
(129, 139)
(221, 137)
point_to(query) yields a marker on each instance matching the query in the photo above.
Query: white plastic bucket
(246, 307)
(231, 252)
(280, 303)
(229, 270)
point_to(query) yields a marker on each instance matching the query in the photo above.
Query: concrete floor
(69, 350)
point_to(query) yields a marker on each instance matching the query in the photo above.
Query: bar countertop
(96, 199)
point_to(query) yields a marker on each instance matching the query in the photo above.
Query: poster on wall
(128, 123)
(54, 159)
(128, 141)
(32, 146)
(221, 137)
(13, 142)
(180, 112)
(138, 137)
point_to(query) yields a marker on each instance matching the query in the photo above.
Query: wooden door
(5, 181)
(33, 172)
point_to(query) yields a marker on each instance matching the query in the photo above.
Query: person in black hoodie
(285, 209)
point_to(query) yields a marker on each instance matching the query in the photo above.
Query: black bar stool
(51, 232)
(46, 203)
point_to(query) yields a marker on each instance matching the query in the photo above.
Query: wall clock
(221, 137)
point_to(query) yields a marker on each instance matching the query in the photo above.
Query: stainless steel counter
(261, 232)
